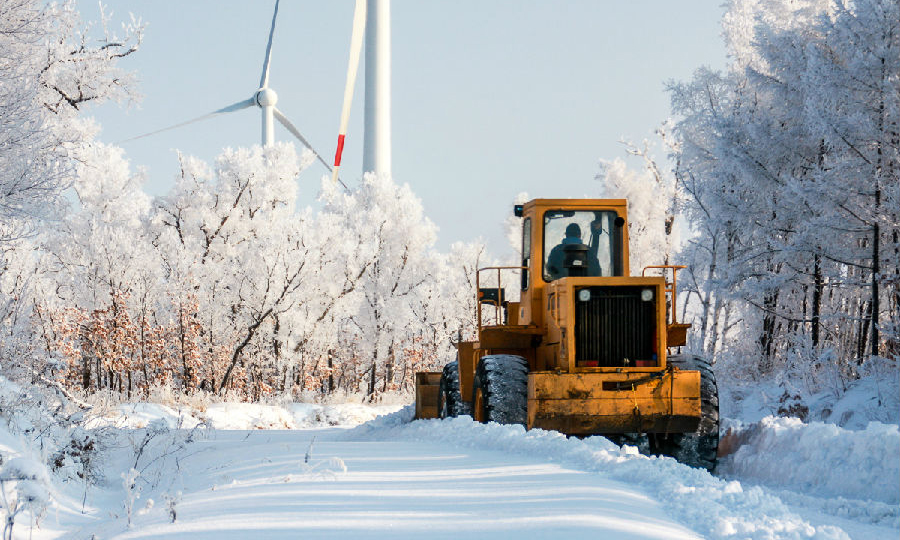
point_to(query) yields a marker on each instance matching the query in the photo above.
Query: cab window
(580, 242)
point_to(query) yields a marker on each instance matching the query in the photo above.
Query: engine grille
(614, 325)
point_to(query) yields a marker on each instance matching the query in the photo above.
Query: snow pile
(819, 458)
(141, 415)
(309, 415)
(850, 404)
(32, 481)
(248, 416)
(239, 415)
(874, 398)
(34, 424)
(714, 507)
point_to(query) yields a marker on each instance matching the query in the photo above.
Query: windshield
(578, 242)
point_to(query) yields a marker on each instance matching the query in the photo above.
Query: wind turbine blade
(356, 39)
(290, 127)
(264, 80)
(231, 108)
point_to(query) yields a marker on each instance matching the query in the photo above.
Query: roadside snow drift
(240, 416)
(819, 458)
(713, 507)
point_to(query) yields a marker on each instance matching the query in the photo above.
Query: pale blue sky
(490, 97)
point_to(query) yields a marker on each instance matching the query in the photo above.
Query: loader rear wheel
(500, 388)
(450, 403)
(696, 449)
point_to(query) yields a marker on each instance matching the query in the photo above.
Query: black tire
(502, 381)
(696, 449)
(450, 403)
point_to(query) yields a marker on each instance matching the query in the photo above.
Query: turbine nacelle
(266, 97)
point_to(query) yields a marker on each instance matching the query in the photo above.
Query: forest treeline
(781, 194)
(786, 168)
(223, 284)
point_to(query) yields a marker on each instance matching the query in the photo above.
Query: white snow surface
(819, 458)
(853, 404)
(242, 471)
(239, 416)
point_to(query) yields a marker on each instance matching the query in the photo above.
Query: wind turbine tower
(377, 141)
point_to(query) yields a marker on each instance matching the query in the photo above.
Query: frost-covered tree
(232, 241)
(99, 260)
(652, 206)
(788, 160)
(50, 69)
(392, 242)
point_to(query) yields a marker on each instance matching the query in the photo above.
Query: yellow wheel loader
(584, 350)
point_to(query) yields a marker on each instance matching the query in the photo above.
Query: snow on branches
(791, 165)
(223, 285)
(49, 68)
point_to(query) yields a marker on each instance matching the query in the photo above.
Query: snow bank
(819, 458)
(850, 404)
(291, 416)
(141, 415)
(712, 506)
(248, 416)
(870, 399)
(33, 425)
(308, 415)
(240, 416)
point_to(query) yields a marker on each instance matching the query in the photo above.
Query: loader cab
(569, 238)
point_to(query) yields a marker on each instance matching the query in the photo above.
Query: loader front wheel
(450, 403)
(696, 449)
(500, 388)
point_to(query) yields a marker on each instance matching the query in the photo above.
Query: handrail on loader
(674, 283)
(479, 295)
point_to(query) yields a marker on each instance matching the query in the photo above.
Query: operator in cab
(557, 266)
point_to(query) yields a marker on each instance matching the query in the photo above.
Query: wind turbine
(372, 18)
(265, 98)
(377, 143)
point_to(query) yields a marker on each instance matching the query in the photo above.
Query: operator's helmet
(573, 230)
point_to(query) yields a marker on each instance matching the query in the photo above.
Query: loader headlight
(584, 295)
(647, 295)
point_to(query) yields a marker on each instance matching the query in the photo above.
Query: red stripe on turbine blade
(340, 150)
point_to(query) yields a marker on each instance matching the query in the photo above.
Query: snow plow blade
(597, 403)
(427, 387)
(734, 438)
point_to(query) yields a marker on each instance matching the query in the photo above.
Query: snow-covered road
(390, 477)
(256, 485)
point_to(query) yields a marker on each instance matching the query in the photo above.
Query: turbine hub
(266, 97)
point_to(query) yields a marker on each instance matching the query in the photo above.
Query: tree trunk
(85, 371)
(251, 331)
(818, 286)
(865, 317)
(876, 271)
(330, 371)
(389, 368)
(767, 338)
(371, 389)
(185, 369)
(276, 342)
(706, 299)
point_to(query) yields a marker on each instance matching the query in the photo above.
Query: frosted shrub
(132, 491)
(24, 485)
